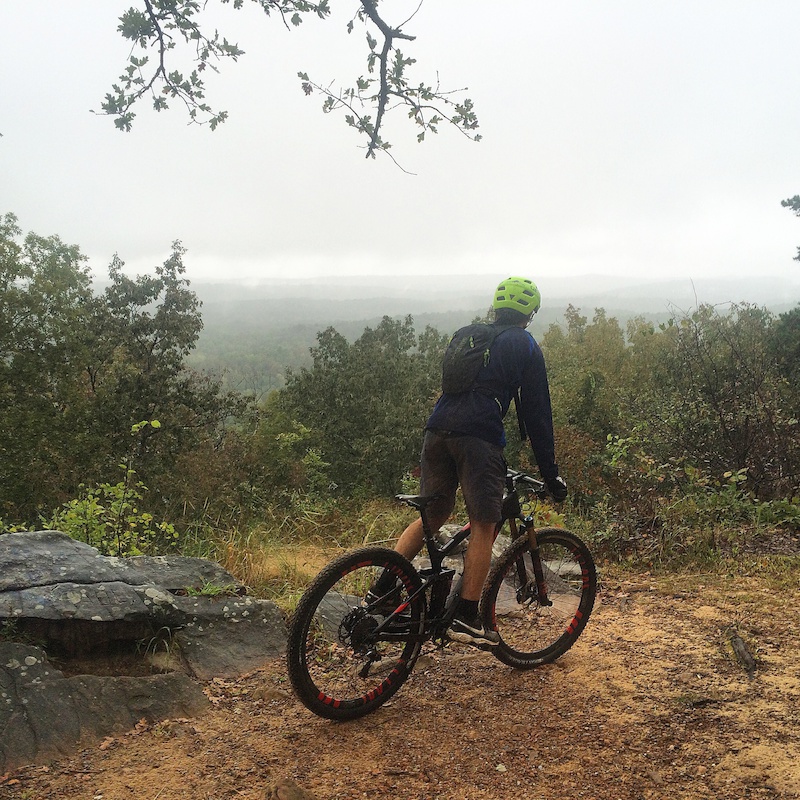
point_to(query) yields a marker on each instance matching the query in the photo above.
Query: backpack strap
(496, 331)
(517, 403)
(523, 435)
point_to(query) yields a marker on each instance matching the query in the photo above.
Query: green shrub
(108, 517)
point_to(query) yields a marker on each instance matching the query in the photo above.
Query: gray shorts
(448, 460)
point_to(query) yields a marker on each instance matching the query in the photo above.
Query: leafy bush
(673, 513)
(108, 518)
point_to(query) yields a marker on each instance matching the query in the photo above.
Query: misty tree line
(705, 406)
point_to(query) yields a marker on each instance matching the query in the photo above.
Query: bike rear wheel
(536, 630)
(344, 657)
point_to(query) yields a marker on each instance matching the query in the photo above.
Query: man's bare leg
(477, 560)
(412, 538)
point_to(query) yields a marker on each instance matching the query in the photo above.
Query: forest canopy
(659, 427)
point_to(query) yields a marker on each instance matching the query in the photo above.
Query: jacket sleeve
(537, 413)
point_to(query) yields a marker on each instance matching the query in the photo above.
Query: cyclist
(463, 445)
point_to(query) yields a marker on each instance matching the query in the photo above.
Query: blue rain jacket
(516, 362)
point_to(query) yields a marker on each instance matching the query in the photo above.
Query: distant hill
(280, 301)
(254, 331)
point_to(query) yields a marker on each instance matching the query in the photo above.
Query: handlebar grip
(516, 477)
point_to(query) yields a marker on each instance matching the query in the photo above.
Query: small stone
(286, 789)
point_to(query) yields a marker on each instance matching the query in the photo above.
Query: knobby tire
(533, 633)
(339, 664)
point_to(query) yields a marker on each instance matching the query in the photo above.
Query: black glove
(557, 488)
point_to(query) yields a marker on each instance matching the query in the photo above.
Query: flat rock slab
(63, 592)
(43, 558)
(75, 601)
(45, 715)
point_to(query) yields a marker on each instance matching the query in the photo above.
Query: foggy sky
(649, 140)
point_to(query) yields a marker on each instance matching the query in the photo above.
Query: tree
(157, 28)
(78, 371)
(585, 367)
(785, 345)
(722, 405)
(45, 299)
(140, 338)
(362, 406)
(794, 204)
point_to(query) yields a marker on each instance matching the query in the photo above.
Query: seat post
(420, 503)
(426, 528)
(434, 551)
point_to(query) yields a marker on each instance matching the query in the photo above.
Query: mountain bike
(349, 650)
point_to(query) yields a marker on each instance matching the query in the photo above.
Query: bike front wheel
(345, 655)
(539, 620)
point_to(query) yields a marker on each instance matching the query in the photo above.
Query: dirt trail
(650, 704)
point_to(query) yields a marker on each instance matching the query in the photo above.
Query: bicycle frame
(349, 650)
(438, 579)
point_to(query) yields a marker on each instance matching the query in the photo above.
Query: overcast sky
(644, 139)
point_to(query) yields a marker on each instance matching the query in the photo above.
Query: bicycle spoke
(540, 620)
(346, 656)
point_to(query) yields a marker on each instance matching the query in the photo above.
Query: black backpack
(467, 352)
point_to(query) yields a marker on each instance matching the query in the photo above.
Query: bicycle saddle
(418, 501)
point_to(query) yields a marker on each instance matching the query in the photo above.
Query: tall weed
(108, 517)
(277, 557)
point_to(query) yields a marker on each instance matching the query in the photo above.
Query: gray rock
(44, 558)
(63, 593)
(44, 715)
(228, 636)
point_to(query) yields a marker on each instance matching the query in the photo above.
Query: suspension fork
(538, 572)
(536, 561)
(515, 534)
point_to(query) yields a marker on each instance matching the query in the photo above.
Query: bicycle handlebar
(515, 478)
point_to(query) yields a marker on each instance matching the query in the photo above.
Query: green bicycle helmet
(519, 294)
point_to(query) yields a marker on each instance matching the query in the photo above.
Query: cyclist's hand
(557, 488)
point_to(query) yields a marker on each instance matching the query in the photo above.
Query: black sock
(385, 583)
(467, 609)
